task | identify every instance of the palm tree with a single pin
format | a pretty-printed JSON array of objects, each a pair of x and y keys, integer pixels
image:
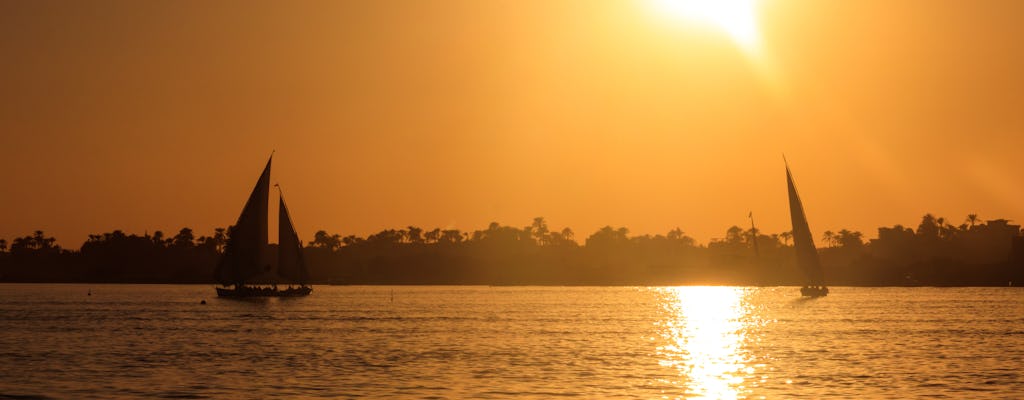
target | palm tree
[
  {"x": 929, "y": 227},
  {"x": 734, "y": 235},
  {"x": 21, "y": 245},
  {"x": 158, "y": 238},
  {"x": 946, "y": 229},
  {"x": 786, "y": 236},
  {"x": 3, "y": 246},
  {"x": 830, "y": 238},
  {"x": 539, "y": 231},
  {"x": 184, "y": 238},
  {"x": 847, "y": 238},
  {"x": 567, "y": 234},
  {"x": 972, "y": 220},
  {"x": 220, "y": 239}
]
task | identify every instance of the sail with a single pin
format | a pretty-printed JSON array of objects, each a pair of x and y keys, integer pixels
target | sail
[
  {"x": 290, "y": 263},
  {"x": 803, "y": 242},
  {"x": 245, "y": 252}
]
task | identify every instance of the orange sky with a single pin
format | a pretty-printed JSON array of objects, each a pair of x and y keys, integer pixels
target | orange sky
[{"x": 147, "y": 115}]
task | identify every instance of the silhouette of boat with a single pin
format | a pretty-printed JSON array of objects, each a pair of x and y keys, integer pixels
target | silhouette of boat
[
  {"x": 803, "y": 243},
  {"x": 244, "y": 269}
]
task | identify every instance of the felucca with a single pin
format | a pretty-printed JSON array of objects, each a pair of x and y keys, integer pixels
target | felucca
[
  {"x": 803, "y": 243},
  {"x": 244, "y": 269}
]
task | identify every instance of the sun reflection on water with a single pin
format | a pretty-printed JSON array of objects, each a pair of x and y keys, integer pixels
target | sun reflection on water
[{"x": 703, "y": 335}]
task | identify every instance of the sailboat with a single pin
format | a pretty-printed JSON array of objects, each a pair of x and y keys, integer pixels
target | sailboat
[
  {"x": 806, "y": 255},
  {"x": 244, "y": 270}
]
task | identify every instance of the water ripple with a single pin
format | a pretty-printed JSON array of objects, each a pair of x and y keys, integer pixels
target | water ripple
[{"x": 502, "y": 342}]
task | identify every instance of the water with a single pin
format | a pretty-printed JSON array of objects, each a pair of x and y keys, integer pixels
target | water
[{"x": 153, "y": 341}]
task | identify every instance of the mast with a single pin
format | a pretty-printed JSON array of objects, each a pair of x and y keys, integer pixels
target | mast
[
  {"x": 290, "y": 263},
  {"x": 803, "y": 243},
  {"x": 245, "y": 252}
]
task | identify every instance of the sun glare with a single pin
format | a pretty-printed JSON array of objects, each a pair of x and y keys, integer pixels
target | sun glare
[
  {"x": 737, "y": 18},
  {"x": 704, "y": 335}
]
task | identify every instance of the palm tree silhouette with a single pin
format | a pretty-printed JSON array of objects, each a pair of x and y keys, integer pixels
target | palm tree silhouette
[
  {"x": 786, "y": 236},
  {"x": 972, "y": 220},
  {"x": 829, "y": 237},
  {"x": 567, "y": 234}
]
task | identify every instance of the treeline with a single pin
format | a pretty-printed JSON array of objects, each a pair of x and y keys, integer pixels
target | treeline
[{"x": 936, "y": 253}]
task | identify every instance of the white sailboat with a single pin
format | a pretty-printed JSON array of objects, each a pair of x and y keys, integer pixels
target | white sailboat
[
  {"x": 246, "y": 262},
  {"x": 803, "y": 243}
]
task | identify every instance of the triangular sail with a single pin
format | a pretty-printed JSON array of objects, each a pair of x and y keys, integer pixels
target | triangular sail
[
  {"x": 291, "y": 265},
  {"x": 806, "y": 255},
  {"x": 245, "y": 252}
]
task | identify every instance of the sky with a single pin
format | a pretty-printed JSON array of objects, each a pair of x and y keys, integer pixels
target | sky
[{"x": 648, "y": 114}]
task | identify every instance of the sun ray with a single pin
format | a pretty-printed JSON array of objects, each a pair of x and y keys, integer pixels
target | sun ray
[{"x": 736, "y": 18}]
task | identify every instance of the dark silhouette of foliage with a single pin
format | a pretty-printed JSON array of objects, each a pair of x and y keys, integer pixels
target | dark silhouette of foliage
[
  {"x": 936, "y": 253},
  {"x": 323, "y": 240}
]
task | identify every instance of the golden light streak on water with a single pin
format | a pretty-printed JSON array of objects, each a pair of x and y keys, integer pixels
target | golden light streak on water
[
  {"x": 704, "y": 331},
  {"x": 473, "y": 342}
]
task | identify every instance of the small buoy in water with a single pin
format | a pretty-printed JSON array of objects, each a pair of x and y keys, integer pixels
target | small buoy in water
[{"x": 202, "y": 302}]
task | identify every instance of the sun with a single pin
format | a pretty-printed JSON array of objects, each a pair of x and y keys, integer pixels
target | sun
[{"x": 737, "y": 18}]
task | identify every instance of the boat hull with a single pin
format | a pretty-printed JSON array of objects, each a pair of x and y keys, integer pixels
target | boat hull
[
  {"x": 808, "y": 291},
  {"x": 247, "y": 291}
]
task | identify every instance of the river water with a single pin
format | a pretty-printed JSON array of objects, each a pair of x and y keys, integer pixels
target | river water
[{"x": 158, "y": 341}]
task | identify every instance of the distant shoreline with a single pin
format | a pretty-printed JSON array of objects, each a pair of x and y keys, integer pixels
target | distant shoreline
[{"x": 936, "y": 254}]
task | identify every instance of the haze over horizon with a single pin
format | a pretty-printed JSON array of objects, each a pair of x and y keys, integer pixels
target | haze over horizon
[{"x": 158, "y": 115}]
